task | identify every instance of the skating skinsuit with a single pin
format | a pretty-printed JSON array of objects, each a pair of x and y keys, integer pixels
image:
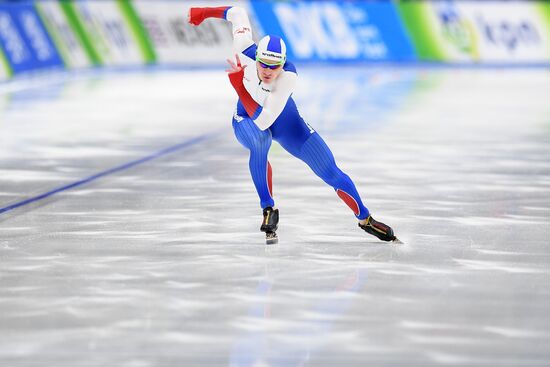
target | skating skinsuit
[{"x": 277, "y": 118}]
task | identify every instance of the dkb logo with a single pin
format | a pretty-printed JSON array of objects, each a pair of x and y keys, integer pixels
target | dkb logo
[
  {"x": 36, "y": 36},
  {"x": 14, "y": 45}
]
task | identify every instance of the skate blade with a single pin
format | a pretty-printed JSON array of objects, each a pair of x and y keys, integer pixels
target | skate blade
[
  {"x": 397, "y": 241},
  {"x": 271, "y": 239}
]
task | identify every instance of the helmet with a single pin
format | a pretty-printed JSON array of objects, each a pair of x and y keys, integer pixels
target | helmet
[{"x": 271, "y": 49}]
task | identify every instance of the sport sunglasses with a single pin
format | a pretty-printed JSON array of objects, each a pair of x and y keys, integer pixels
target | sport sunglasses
[{"x": 270, "y": 66}]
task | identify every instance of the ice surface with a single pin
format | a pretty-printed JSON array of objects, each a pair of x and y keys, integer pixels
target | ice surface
[{"x": 163, "y": 264}]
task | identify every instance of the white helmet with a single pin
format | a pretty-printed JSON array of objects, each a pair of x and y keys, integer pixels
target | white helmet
[{"x": 271, "y": 49}]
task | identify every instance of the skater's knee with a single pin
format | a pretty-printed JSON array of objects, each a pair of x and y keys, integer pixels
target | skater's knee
[
  {"x": 260, "y": 142},
  {"x": 250, "y": 136},
  {"x": 331, "y": 174}
]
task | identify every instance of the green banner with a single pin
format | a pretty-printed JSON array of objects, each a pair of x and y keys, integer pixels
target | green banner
[
  {"x": 434, "y": 41},
  {"x": 477, "y": 31},
  {"x": 5, "y": 64},
  {"x": 416, "y": 16},
  {"x": 59, "y": 44},
  {"x": 76, "y": 24},
  {"x": 110, "y": 31},
  {"x": 544, "y": 10},
  {"x": 138, "y": 30}
]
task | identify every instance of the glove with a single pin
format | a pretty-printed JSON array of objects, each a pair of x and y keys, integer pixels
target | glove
[{"x": 197, "y": 15}]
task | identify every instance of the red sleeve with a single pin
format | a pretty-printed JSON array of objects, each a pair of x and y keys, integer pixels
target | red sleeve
[
  {"x": 253, "y": 109},
  {"x": 197, "y": 15}
]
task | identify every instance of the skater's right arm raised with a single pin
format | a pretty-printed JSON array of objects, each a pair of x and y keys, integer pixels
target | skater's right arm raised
[{"x": 242, "y": 32}]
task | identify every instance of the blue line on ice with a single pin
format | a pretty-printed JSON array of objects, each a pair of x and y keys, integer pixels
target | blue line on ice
[{"x": 107, "y": 172}]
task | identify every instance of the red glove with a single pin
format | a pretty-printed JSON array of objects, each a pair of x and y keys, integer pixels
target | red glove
[
  {"x": 236, "y": 75},
  {"x": 197, "y": 15}
]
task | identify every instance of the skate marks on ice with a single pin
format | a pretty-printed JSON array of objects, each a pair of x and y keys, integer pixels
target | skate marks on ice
[
  {"x": 165, "y": 264},
  {"x": 95, "y": 123}
]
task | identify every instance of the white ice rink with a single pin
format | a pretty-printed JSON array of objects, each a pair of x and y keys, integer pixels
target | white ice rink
[{"x": 129, "y": 225}]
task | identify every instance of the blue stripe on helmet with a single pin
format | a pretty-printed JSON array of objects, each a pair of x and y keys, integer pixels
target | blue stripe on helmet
[{"x": 274, "y": 44}]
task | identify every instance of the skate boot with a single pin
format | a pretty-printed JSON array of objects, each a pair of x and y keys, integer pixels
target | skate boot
[
  {"x": 378, "y": 229},
  {"x": 269, "y": 225}
]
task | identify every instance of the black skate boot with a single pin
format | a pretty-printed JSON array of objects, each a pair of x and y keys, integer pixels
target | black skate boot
[
  {"x": 269, "y": 225},
  {"x": 378, "y": 229}
]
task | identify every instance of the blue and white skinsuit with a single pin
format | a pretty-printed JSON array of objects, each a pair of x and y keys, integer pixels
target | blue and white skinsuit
[{"x": 278, "y": 119}]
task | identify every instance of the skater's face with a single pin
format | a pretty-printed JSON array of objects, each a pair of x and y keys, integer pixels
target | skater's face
[{"x": 268, "y": 72}]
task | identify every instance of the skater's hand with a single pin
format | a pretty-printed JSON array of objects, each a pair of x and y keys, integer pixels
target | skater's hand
[
  {"x": 235, "y": 68},
  {"x": 195, "y": 16},
  {"x": 236, "y": 73}
]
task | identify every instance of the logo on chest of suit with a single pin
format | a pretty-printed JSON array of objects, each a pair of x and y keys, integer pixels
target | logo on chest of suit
[
  {"x": 266, "y": 90},
  {"x": 242, "y": 30}
]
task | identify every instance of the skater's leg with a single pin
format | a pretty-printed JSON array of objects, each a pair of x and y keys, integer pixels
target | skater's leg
[
  {"x": 301, "y": 140},
  {"x": 317, "y": 155},
  {"x": 258, "y": 143}
]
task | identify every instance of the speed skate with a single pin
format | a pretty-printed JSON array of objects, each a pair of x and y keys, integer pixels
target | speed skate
[{"x": 269, "y": 225}]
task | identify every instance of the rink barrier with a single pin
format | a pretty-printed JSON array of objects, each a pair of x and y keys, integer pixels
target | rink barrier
[
  {"x": 177, "y": 42},
  {"x": 5, "y": 69},
  {"x": 69, "y": 34},
  {"x": 167, "y": 151},
  {"x": 337, "y": 31},
  {"x": 105, "y": 28},
  {"x": 64, "y": 24},
  {"x": 479, "y": 32},
  {"x": 140, "y": 34},
  {"x": 25, "y": 43}
]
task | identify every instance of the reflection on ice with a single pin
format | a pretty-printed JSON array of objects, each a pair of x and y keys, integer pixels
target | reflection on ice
[
  {"x": 279, "y": 333},
  {"x": 164, "y": 264}
]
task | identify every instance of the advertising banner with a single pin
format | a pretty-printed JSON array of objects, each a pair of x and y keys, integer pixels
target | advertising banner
[
  {"x": 174, "y": 40},
  {"x": 24, "y": 40},
  {"x": 468, "y": 31},
  {"x": 64, "y": 34},
  {"x": 4, "y": 67},
  {"x": 103, "y": 30},
  {"x": 140, "y": 33},
  {"x": 337, "y": 31}
]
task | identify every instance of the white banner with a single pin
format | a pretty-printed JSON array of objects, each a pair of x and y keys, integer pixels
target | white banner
[
  {"x": 175, "y": 40},
  {"x": 65, "y": 38},
  {"x": 493, "y": 31},
  {"x": 109, "y": 32}
]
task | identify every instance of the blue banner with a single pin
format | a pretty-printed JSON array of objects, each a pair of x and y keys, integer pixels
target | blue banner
[
  {"x": 332, "y": 31},
  {"x": 24, "y": 40}
]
